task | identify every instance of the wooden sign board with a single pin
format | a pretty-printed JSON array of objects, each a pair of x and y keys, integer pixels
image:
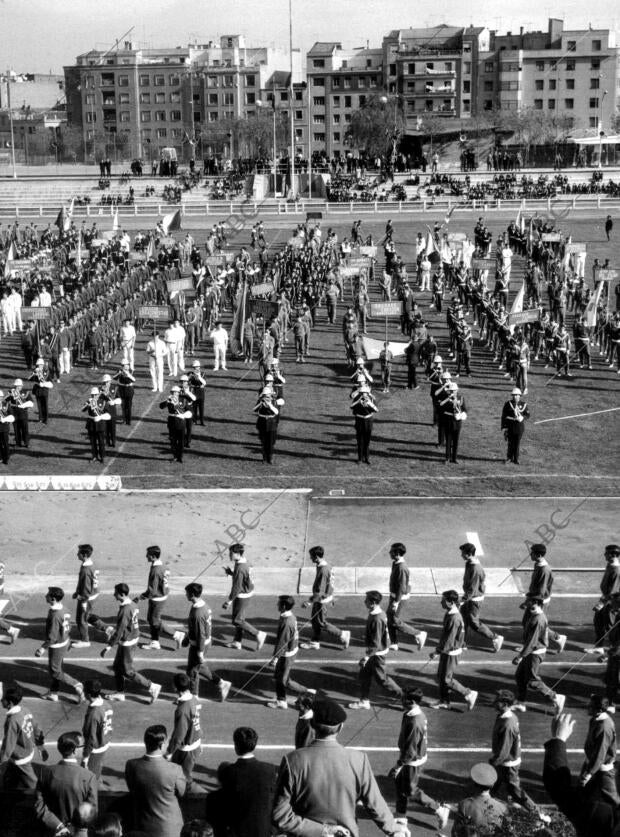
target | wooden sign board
[
  {"x": 262, "y": 288},
  {"x": 176, "y": 285},
  {"x": 606, "y": 275},
  {"x": 552, "y": 237},
  {"x": 19, "y": 264},
  {"x": 264, "y": 308},
  {"x": 483, "y": 264},
  {"x": 386, "y": 309},
  {"x": 347, "y": 272},
  {"x": 576, "y": 247},
  {"x": 35, "y": 313},
  {"x": 154, "y": 312},
  {"x": 530, "y": 316},
  {"x": 368, "y": 251}
]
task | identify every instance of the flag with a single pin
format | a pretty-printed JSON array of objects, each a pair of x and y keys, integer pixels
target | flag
[
  {"x": 70, "y": 212},
  {"x": 10, "y": 256},
  {"x": 115, "y": 224},
  {"x": 517, "y": 305},
  {"x": 446, "y": 220},
  {"x": 432, "y": 253},
  {"x": 373, "y": 348},
  {"x": 61, "y": 219},
  {"x": 236, "y": 330},
  {"x": 592, "y": 306},
  {"x": 520, "y": 222},
  {"x": 151, "y": 252},
  {"x": 172, "y": 221}
]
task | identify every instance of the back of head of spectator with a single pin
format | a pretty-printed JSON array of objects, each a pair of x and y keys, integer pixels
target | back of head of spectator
[
  {"x": 245, "y": 740},
  {"x": 196, "y": 828},
  {"x": 68, "y": 743},
  {"x": 328, "y": 717},
  {"x": 107, "y": 825},
  {"x": 155, "y": 737}
]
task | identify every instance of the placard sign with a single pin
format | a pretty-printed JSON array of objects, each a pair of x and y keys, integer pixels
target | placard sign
[
  {"x": 606, "y": 275},
  {"x": 262, "y": 288},
  {"x": 483, "y": 264},
  {"x": 576, "y": 247},
  {"x": 19, "y": 264},
  {"x": 530, "y": 316},
  {"x": 552, "y": 237},
  {"x": 184, "y": 284},
  {"x": 386, "y": 309},
  {"x": 368, "y": 251},
  {"x": 347, "y": 272},
  {"x": 36, "y": 313},
  {"x": 154, "y": 312},
  {"x": 264, "y": 308}
]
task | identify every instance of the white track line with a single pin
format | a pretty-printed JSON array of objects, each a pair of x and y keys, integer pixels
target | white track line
[
  {"x": 215, "y": 491},
  {"x": 578, "y": 415},
  {"x": 212, "y": 746},
  {"x": 220, "y": 661}
]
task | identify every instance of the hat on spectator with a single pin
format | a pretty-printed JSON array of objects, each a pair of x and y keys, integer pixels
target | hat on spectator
[
  {"x": 483, "y": 774},
  {"x": 94, "y": 391},
  {"x": 515, "y": 391},
  {"x": 18, "y": 382},
  {"x": 196, "y": 363},
  {"x": 328, "y": 712},
  {"x": 175, "y": 388},
  {"x": 184, "y": 378},
  {"x": 438, "y": 359},
  {"x": 106, "y": 378},
  {"x": 40, "y": 362}
]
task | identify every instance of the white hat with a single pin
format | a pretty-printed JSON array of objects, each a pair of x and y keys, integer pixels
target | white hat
[
  {"x": 453, "y": 386},
  {"x": 184, "y": 378},
  {"x": 516, "y": 391},
  {"x": 269, "y": 376},
  {"x": 40, "y": 362},
  {"x": 1, "y": 394},
  {"x": 196, "y": 363},
  {"x": 360, "y": 361},
  {"x": 446, "y": 375},
  {"x": 175, "y": 388},
  {"x": 106, "y": 378},
  {"x": 18, "y": 382},
  {"x": 94, "y": 391},
  {"x": 438, "y": 359},
  {"x": 364, "y": 388}
]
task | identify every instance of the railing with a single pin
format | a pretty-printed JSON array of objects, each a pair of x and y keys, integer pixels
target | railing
[{"x": 559, "y": 206}]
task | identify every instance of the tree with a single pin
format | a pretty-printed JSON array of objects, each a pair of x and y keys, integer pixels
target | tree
[
  {"x": 256, "y": 133},
  {"x": 377, "y": 127}
]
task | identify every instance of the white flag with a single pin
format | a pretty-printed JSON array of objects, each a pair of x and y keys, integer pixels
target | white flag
[
  {"x": 592, "y": 306},
  {"x": 115, "y": 224},
  {"x": 517, "y": 305}
]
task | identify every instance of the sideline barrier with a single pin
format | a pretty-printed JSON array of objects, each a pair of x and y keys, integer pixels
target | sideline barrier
[{"x": 60, "y": 483}]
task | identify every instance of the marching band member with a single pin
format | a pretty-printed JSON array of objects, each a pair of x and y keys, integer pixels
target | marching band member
[
  {"x": 177, "y": 416},
  {"x": 452, "y": 414},
  {"x": 6, "y": 420},
  {"x": 41, "y": 388},
  {"x": 112, "y": 401},
  {"x": 125, "y": 382},
  {"x": 20, "y": 403},
  {"x": 514, "y": 414},
  {"x": 198, "y": 386},
  {"x": 363, "y": 407},
  {"x": 267, "y": 422},
  {"x": 157, "y": 350},
  {"x": 188, "y": 398},
  {"x": 96, "y": 418}
]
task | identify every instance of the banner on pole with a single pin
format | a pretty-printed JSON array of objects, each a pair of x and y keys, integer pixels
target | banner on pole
[
  {"x": 154, "y": 312},
  {"x": 264, "y": 308},
  {"x": 552, "y": 238},
  {"x": 483, "y": 264},
  {"x": 386, "y": 309},
  {"x": 606, "y": 274},
  {"x": 35, "y": 313},
  {"x": 184, "y": 284},
  {"x": 576, "y": 247},
  {"x": 262, "y": 288},
  {"x": 532, "y": 315}
]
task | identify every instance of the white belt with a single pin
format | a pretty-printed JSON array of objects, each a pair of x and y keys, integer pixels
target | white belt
[
  {"x": 290, "y": 653},
  {"x": 93, "y": 597},
  {"x": 539, "y": 651},
  {"x": 454, "y": 653},
  {"x": 159, "y": 598},
  {"x": 416, "y": 762},
  {"x": 187, "y": 748},
  {"x": 129, "y": 642},
  {"x": 28, "y": 759},
  {"x": 607, "y": 768},
  {"x": 477, "y": 599},
  {"x": 379, "y": 653},
  {"x": 245, "y": 595},
  {"x": 513, "y": 763},
  {"x": 58, "y": 644},
  {"x": 96, "y": 750},
  {"x": 327, "y": 599}
]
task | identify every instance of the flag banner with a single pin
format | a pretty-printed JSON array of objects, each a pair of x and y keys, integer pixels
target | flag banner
[
  {"x": 151, "y": 253},
  {"x": 517, "y": 306},
  {"x": 373, "y": 348},
  {"x": 236, "y": 330},
  {"x": 171, "y": 222},
  {"x": 592, "y": 306},
  {"x": 115, "y": 224}
]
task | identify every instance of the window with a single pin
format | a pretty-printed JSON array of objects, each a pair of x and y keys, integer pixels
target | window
[
  {"x": 91, "y": 117},
  {"x": 448, "y": 66},
  {"x": 551, "y": 104},
  {"x": 211, "y": 81},
  {"x": 347, "y": 117},
  {"x": 160, "y": 116},
  {"x": 160, "y": 98},
  {"x": 593, "y": 122},
  {"x": 250, "y": 81},
  {"x": 319, "y": 63},
  {"x": 540, "y": 66},
  {"x": 336, "y": 101},
  {"x": 595, "y": 64},
  {"x": 488, "y": 86},
  {"x": 159, "y": 81},
  {"x": 392, "y": 69},
  {"x": 175, "y": 97},
  {"x": 411, "y": 86},
  {"x": 107, "y": 79},
  {"x": 299, "y": 96},
  {"x": 570, "y": 65},
  {"x": 228, "y": 98},
  {"x": 361, "y": 82},
  {"x": 571, "y": 46},
  {"x": 299, "y": 133},
  {"x": 373, "y": 81},
  {"x": 362, "y": 101},
  {"x": 318, "y": 81},
  {"x": 213, "y": 98},
  {"x": 538, "y": 103},
  {"x": 284, "y": 96},
  {"x": 124, "y": 116},
  {"x": 174, "y": 80},
  {"x": 318, "y": 101},
  {"x": 175, "y": 115},
  {"x": 467, "y": 86},
  {"x": 510, "y": 85},
  {"x": 175, "y": 132},
  {"x": 489, "y": 67},
  {"x": 123, "y": 98},
  {"x": 145, "y": 98},
  {"x": 145, "y": 81},
  {"x": 161, "y": 133},
  {"x": 467, "y": 68},
  {"x": 318, "y": 118},
  {"x": 552, "y": 84},
  {"x": 336, "y": 136},
  {"x": 90, "y": 98},
  {"x": 228, "y": 81},
  {"x": 90, "y": 82},
  {"x": 347, "y": 101},
  {"x": 488, "y": 104},
  {"x": 213, "y": 116},
  {"x": 299, "y": 114},
  {"x": 570, "y": 83},
  {"x": 595, "y": 83},
  {"x": 466, "y": 105},
  {"x": 318, "y": 137},
  {"x": 539, "y": 84},
  {"x": 145, "y": 116},
  {"x": 347, "y": 83},
  {"x": 336, "y": 119},
  {"x": 123, "y": 81},
  {"x": 596, "y": 46},
  {"x": 411, "y": 69},
  {"x": 569, "y": 104},
  {"x": 594, "y": 103},
  {"x": 250, "y": 98},
  {"x": 336, "y": 83}
]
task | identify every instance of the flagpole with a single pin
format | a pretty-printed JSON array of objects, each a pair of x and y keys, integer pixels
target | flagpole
[{"x": 8, "y": 102}]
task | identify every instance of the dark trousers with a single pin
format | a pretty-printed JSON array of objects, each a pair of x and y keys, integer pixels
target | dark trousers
[
  {"x": 603, "y": 622},
  {"x": 18, "y": 777},
  {"x": 186, "y": 759},
  {"x": 4, "y": 445},
  {"x": 470, "y": 611},
  {"x": 508, "y": 782},
  {"x": 320, "y": 623},
  {"x": 55, "y": 660},
  {"x": 123, "y": 669},
  {"x": 528, "y": 677},
  {"x": 82, "y": 614},
  {"x": 452, "y": 431},
  {"x": 110, "y": 431},
  {"x": 95, "y": 763},
  {"x": 282, "y": 676},
  {"x": 407, "y": 788},
  {"x": 603, "y": 786},
  {"x": 198, "y": 407},
  {"x": 42, "y": 405},
  {"x": 396, "y": 624},
  {"x": 513, "y": 440},
  {"x": 187, "y": 435},
  {"x": 195, "y": 668},
  {"x": 375, "y": 669},
  {"x": 267, "y": 428},
  {"x": 177, "y": 438},
  {"x": 126, "y": 405},
  {"x": 239, "y": 621},
  {"x": 612, "y": 678},
  {"x": 97, "y": 442},
  {"x": 363, "y": 431},
  {"x": 22, "y": 433},
  {"x": 412, "y": 376},
  {"x": 446, "y": 678},
  {"x": 153, "y": 617}
]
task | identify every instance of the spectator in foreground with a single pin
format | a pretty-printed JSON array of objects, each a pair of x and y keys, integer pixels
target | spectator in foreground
[
  {"x": 479, "y": 810},
  {"x": 320, "y": 785}
]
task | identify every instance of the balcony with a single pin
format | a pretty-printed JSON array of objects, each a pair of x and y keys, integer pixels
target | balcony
[
  {"x": 446, "y": 92},
  {"x": 423, "y": 72}
]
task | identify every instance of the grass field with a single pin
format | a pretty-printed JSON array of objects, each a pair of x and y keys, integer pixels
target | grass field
[{"x": 316, "y": 444}]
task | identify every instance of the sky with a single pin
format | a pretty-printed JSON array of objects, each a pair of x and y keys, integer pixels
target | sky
[{"x": 43, "y": 36}]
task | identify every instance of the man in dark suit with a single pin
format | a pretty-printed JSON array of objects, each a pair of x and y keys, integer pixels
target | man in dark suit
[
  {"x": 248, "y": 786},
  {"x": 155, "y": 786},
  {"x": 65, "y": 789}
]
